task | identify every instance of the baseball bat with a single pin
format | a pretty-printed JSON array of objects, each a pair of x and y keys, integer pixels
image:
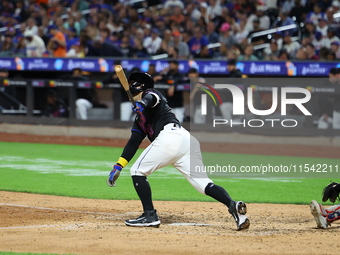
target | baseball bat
[{"x": 122, "y": 78}]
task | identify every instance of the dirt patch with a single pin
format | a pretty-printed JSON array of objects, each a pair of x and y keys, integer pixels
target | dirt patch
[{"x": 51, "y": 224}]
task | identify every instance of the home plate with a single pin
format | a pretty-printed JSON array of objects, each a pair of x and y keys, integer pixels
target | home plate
[{"x": 190, "y": 224}]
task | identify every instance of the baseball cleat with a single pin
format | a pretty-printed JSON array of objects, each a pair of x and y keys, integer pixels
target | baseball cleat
[
  {"x": 319, "y": 214},
  {"x": 238, "y": 211},
  {"x": 147, "y": 219}
]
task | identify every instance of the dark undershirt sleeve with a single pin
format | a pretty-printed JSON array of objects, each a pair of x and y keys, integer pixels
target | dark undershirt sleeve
[
  {"x": 150, "y": 100},
  {"x": 133, "y": 144}
]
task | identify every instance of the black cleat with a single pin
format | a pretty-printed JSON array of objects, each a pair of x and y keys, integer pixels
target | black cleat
[{"x": 147, "y": 219}]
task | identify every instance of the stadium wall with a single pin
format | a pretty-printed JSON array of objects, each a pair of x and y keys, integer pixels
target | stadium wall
[{"x": 124, "y": 133}]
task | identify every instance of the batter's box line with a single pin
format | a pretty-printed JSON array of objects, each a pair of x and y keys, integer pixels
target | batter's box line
[
  {"x": 64, "y": 226},
  {"x": 66, "y": 210}
]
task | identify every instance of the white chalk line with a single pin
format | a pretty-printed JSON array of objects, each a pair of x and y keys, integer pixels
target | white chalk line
[
  {"x": 71, "y": 167},
  {"x": 66, "y": 210},
  {"x": 37, "y": 226},
  {"x": 57, "y": 209}
]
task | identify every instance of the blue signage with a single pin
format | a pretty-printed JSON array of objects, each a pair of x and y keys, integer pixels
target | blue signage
[{"x": 213, "y": 67}]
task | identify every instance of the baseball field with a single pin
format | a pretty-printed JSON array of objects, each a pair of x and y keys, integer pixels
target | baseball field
[{"x": 54, "y": 200}]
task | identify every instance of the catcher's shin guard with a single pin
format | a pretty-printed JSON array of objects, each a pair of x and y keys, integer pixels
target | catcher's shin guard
[{"x": 333, "y": 213}]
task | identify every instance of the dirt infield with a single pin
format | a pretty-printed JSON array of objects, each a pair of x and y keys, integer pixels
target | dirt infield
[{"x": 51, "y": 224}]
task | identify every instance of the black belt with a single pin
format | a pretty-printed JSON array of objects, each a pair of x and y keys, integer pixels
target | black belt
[{"x": 175, "y": 125}]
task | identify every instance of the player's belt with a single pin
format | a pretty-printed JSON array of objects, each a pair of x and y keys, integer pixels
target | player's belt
[{"x": 172, "y": 125}]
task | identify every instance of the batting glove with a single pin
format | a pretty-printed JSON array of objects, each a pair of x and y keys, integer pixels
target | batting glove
[
  {"x": 114, "y": 174},
  {"x": 139, "y": 106}
]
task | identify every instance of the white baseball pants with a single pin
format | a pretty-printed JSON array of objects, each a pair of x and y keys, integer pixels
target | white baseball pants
[
  {"x": 82, "y": 106},
  {"x": 174, "y": 146}
]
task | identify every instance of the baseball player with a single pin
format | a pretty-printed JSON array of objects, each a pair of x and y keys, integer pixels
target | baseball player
[
  {"x": 171, "y": 144},
  {"x": 325, "y": 216}
]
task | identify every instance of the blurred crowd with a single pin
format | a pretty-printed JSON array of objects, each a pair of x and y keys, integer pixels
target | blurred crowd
[{"x": 179, "y": 29}]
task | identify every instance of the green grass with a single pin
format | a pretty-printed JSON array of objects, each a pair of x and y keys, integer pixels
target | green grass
[{"x": 81, "y": 171}]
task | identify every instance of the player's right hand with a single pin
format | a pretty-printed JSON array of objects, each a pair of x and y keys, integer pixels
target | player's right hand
[{"x": 113, "y": 176}]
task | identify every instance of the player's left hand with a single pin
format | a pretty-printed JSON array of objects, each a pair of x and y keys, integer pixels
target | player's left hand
[
  {"x": 139, "y": 106},
  {"x": 113, "y": 176}
]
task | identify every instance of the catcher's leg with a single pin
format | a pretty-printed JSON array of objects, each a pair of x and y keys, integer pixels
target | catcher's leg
[
  {"x": 320, "y": 214},
  {"x": 333, "y": 213}
]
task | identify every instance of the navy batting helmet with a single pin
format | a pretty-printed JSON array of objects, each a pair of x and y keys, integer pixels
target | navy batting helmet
[{"x": 140, "y": 82}]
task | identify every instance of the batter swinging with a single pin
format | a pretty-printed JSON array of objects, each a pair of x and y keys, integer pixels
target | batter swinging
[{"x": 171, "y": 144}]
